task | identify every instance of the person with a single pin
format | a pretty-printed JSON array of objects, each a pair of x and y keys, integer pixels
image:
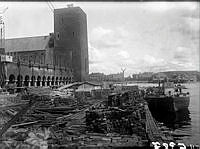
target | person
[
  {"x": 176, "y": 89},
  {"x": 169, "y": 93},
  {"x": 180, "y": 90}
]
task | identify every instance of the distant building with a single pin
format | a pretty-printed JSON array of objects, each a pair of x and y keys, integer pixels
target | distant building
[
  {"x": 193, "y": 78},
  {"x": 97, "y": 77},
  {"x": 159, "y": 76},
  {"x": 115, "y": 77},
  {"x": 88, "y": 87},
  {"x": 145, "y": 76},
  {"x": 103, "y": 77},
  {"x": 60, "y": 57}
]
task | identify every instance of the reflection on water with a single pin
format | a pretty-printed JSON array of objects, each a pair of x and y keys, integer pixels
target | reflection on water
[{"x": 173, "y": 120}]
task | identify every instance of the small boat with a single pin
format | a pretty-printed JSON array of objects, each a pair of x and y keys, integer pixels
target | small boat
[{"x": 158, "y": 100}]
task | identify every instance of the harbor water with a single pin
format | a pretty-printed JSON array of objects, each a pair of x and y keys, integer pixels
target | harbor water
[
  {"x": 193, "y": 127},
  {"x": 183, "y": 125}
]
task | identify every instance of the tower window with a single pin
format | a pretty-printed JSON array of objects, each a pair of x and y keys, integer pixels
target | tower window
[
  {"x": 58, "y": 36},
  {"x": 73, "y": 34}
]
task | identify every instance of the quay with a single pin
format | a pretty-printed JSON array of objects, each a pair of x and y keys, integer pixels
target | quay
[{"x": 45, "y": 117}]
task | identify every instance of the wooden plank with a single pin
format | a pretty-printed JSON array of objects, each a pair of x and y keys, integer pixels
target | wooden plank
[
  {"x": 152, "y": 130},
  {"x": 25, "y": 124},
  {"x": 15, "y": 118},
  {"x": 11, "y": 106}
]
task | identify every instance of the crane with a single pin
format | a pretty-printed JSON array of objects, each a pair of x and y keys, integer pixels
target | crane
[
  {"x": 3, "y": 10},
  {"x": 123, "y": 70},
  {"x": 2, "y": 47},
  {"x": 51, "y": 6},
  {"x": 2, "y": 29}
]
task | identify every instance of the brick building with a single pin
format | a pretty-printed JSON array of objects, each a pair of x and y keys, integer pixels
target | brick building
[{"x": 60, "y": 57}]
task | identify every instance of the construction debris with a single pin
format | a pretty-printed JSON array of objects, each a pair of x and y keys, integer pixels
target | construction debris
[{"x": 51, "y": 119}]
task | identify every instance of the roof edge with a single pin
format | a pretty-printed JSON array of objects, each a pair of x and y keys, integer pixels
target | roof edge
[{"x": 27, "y": 37}]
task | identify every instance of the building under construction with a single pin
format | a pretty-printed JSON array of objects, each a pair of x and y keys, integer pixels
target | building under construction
[{"x": 60, "y": 57}]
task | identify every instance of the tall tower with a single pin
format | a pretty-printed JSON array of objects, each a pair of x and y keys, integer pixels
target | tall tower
[{"x": 70, "y": 29}]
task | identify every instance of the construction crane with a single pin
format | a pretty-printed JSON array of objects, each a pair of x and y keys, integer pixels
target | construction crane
[
  {"x": 51, "y": 6},
  {"x": 123, "y": 70},
  {"x": 2, "y": 47},
  {"x": 2, "y": 11},
  {"x": 2, "y": 30}
]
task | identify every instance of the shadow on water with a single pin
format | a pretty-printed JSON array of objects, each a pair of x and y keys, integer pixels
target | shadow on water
[{"x": 173, "y": 120}]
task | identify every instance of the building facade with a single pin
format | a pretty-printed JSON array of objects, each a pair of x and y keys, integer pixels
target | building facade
[
  {"x": 60, "y": 57},
  {"x": 70, "y": 28}
]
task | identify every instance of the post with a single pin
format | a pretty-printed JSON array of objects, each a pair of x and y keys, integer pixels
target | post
[{"x": 35, "y": 83}]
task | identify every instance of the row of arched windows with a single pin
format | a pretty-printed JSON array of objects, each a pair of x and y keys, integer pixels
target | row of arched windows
[{"x": 39, "y": 81}]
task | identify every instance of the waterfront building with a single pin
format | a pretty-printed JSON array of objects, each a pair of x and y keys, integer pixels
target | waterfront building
[
  {"x": 145, "y": 76},
  {"x": 116, "y": 77},
  {"x": 97, "y": 77},
  {"x": 58, "y": 58},
  {"x": 160, "y": 76}
]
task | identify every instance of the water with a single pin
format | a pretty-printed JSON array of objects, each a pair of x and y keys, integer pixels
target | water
[
  {"x": 193, "y": 130},
  {"x": 184, "y": 125}
]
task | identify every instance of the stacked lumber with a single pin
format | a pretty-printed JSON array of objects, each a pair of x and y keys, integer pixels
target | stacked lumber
[
  {"x": 54, "y": 121},
  {"x": 124, "y": 115}
]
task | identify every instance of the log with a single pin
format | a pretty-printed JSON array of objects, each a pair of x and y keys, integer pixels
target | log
[
  {"x": 11, "y": 106},
  {"x": 25, "y": 124},
  {"x": 15, "y": 118},
  {"x": 63, "y": 108}
]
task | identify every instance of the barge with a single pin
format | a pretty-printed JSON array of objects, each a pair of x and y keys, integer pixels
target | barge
[
  {"x": 168, "y": 103},
  {"x": 172, "y": 101}
]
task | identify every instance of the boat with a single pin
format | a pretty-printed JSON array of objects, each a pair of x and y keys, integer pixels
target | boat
[{"x": 159, "y": 100}]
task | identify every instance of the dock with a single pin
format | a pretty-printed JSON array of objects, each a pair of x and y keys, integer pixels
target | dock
[{"x": 65, "y": 121}]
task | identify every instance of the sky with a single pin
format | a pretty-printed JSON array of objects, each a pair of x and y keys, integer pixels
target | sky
[{"x": 138, "y": 36}]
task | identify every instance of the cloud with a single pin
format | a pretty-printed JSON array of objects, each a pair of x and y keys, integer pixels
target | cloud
[
  {"x": 182, "y": 55},
  {"x": 166, "y": 6},
  {"x": 186, "y": 58},
  {"x": 105, "y": 50},
  {"x": 107, "y": 38},
  {"x": 150, "y": 60},
  {"x": 193, "y": 23},
  {"x": 186, "y": 26},
  {"x": 95, "y": 55},
  {"x": 123, "y": 54}
]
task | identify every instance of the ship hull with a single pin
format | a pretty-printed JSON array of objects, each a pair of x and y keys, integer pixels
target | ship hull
[
  {"x": 165, "y": 103},
  {"x": 181, "y": 103}
]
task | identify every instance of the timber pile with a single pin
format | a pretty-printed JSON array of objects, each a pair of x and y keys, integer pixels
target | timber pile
[
  {"x": 130, "y": 88},
  {"x": 44, "y": 119},
  {"x": 124, "y": 114},
  {"x": 49, "y": 121},
  {"x": 101, "y": 93},
  {"x": 9, "y": 106}
]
